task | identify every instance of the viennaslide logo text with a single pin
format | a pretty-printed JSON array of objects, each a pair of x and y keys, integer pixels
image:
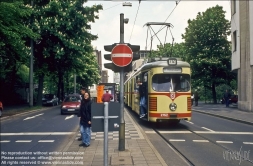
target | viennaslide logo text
[{"x": 236, "y": 155}]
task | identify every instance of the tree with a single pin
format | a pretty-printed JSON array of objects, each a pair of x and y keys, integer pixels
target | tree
[
  {"x": 65, "y": 41},
  {"x": 208, "y": 50},
  {"x": 14, "y": 53},
  {"x": 177, "y": 50}
]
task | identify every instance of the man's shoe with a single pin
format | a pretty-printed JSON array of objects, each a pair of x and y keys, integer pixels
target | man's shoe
[
  {"x": 82, "y": 144},
  {"x": 86, "y": 145},
  {"x": 142, "y": 115},
  {"x": 79, "y": 139}
]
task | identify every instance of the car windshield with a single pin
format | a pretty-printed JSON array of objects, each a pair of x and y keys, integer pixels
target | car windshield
[
  {"x": 73, "y": 99},
  {"x": 48, "y": 96},
  {"x": 171, "y": 82}
]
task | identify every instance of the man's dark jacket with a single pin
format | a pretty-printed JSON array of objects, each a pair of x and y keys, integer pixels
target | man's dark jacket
[{"x": 85, "y": 112}]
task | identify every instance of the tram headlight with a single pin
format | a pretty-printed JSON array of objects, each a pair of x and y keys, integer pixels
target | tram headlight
[{"x": 173, "y": 106}]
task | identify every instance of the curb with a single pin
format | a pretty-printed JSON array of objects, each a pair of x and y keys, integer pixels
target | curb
[
  {"x": 225, "y": 117},
  {"x": 146, "y": 138},
  {"x": 23, "y": 113}
]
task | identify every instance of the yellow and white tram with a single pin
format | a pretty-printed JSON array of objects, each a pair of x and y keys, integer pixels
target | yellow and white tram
[{"x": 168, "y": 90}]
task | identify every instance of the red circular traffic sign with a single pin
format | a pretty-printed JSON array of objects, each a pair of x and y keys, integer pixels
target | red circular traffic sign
[{"x": 122, "y": 55}]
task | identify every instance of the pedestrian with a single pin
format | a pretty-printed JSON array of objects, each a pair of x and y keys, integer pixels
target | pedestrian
[
  {"x": 82, "y": 91},
  {"x": 85, "y": 114},
  {"x": 227, "y": 96},
  {"x": 107, "y": 97},
  {"x": 142, "y": 94},
  {"x": 196, "y": 98},
  {"x": 192, "y": 97}
]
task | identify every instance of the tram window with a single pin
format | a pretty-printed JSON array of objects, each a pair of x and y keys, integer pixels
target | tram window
[{"x": 171, "y": 82}]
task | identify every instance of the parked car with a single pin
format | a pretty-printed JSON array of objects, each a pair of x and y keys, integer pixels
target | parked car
[
  {"x": 71, "y": 104},
  {"x": 233, "y": 100},
  {"x": 50, "y": 99},
  {"x": 1, "y": 108}
]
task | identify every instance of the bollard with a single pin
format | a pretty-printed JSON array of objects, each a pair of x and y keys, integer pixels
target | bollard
[{"x": 106, "y": 133}]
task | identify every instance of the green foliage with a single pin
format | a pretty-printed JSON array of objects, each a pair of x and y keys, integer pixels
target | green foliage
[
  {"x": 65, "y": 44},
  {"x": 177, "y": 50},
  {"x": 14, "y": 53},
  {"x": 208, "y": 50}
]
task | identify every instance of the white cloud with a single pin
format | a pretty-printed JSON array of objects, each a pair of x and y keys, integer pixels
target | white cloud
[{"x": 107, "y": 27}]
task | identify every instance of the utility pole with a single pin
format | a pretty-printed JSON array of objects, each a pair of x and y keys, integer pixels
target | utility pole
[
  {"x": 122, "y": 121},
  {"x": 31, "y": 69},
  {"x": 74, "y": 83}
]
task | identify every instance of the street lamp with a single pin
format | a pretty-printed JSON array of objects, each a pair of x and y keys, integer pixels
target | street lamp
[{"x": 127, "y": 4}]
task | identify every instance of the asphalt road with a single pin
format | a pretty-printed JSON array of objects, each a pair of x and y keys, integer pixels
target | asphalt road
[
  {"x": 42, "y": 131},
  {"x": 205, "y": 140}
]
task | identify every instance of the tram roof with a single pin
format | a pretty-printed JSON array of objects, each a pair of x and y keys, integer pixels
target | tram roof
[{"x": 159, "y": 63}]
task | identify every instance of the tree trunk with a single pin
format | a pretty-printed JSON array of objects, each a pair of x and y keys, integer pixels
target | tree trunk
[
  {"x": 40, "y": 90},
  {"x": 214, "y": 93}
]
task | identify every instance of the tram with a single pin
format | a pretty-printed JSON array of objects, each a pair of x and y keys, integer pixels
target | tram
[{"x": 168, "y": 90}]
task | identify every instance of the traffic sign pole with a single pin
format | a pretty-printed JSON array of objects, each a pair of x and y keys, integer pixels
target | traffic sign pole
[{"x": 122, "y": 121}]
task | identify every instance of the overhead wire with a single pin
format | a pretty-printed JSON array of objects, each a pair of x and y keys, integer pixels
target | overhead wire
[
  {"x": 163, "y": 26},
  {"x": 112, "y": 6},
  {"x": 177, "y": 2},
  {"x": 135, "y": 20}
]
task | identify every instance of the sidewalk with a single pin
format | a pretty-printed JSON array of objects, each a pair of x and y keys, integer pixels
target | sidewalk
[
  {"x": 139, "y": 151},
  {"x": 220, "y": 110}
]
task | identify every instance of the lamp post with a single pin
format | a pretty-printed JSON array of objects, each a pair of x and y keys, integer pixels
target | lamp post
[
  {"x": 31, "y": 70},
  {"x": 122, "y": 121}
]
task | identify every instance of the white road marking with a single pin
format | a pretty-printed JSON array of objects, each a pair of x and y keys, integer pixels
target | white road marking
[
  {"x": 24, "y": 141},
  {"x": 5, "y": 141},
  {"x": 37, "y": 133},
  {"x": 189, "y": 122},
  {"x": 33, "y": 116},
  {"x": 201, "y": 132},
  {"x": 150, "y": 132},
  {"x": 200, "y": 140},
  {"x": 223, "y": 132},
  {"x": 248, "y": 143},
  {"x": 207, "y": 129},
  {"x": 175, "y": 132},
  {"x": 68, "y": 117},
  {"x": 225, "y": 142},
  {"x": 181, "y": 140},
  {"x": 46, "y": 141}
]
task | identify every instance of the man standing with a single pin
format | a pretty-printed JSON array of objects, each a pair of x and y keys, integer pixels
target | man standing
[
  {"x": 196, "y": 98},
  {"x": 227, "y": 97},
  {"x": 82, "y": 91},
  {"x": 107, "y": 97}
]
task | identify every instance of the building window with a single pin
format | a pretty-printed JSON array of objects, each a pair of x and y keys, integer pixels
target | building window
[
  {"x": 233, "y": 6},
  {"x": 234, "y": 41}
]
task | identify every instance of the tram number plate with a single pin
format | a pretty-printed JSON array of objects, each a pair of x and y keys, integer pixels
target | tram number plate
[
  {"x": 164, "y": 115},
  {"x": 173, "y": 115}
]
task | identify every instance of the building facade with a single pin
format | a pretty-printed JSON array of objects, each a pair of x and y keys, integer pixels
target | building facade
[
  {"x": 104, "y": 76},
  {"x": 98, "y": 56},
  {"x": 116, "y": 78},
  {"x": 242, "y": 51}
]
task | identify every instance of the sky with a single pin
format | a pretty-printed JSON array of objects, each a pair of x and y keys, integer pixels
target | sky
[{"x": 107, "y": 27}]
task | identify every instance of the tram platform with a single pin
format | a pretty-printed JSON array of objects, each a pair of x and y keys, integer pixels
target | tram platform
[{"x": 139, "y": 151}]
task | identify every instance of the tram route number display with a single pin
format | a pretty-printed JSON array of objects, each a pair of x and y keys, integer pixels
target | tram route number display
[{"x": 42, "y": 158}]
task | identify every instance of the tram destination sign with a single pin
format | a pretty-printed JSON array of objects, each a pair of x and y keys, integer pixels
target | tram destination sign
[
  {"x": 172, "y": 61},
  {"x": 172, "y": 70}
]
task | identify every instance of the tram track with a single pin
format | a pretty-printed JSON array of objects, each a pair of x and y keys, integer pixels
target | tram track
[{"x": 186, "y": 159}]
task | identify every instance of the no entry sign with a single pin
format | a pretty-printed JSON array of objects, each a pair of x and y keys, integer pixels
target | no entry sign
[{"x": 122, "y": 55}]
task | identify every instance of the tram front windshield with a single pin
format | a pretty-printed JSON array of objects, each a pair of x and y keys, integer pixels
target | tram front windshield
[{"x": 171, "y": 82}]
